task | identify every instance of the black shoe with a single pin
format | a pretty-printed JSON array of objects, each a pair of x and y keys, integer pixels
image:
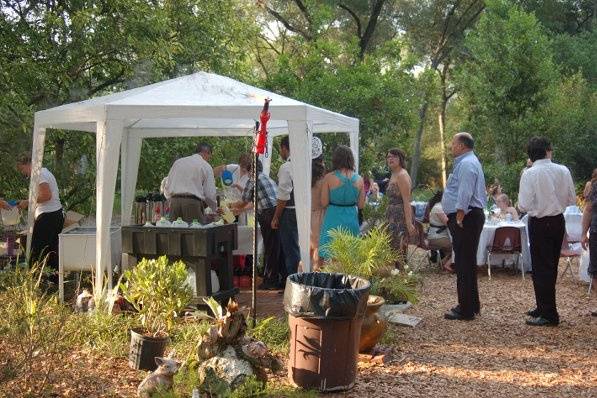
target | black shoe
[
  {"x": 540, "y": 321},
  {"x": 457, "y": 309},
  {"x": 457, "y": 316},
  {"x": 268, "y": 286},
  {"x": 533, "y": 313},
  {"x": 594, "y": 313}
]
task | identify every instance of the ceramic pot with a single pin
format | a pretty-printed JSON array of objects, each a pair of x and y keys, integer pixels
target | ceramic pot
[{"x": 374, "y": 326}]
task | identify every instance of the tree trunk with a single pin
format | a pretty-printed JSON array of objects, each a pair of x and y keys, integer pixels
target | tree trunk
[
  {"x": 442, "y": 122},
  {"x": 416, "y": 159}
]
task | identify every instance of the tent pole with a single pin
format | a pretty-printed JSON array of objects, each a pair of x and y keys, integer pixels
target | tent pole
[{"x": 254, "y": 278}]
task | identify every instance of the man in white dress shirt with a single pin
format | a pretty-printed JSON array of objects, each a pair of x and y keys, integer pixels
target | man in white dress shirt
[
  {"x": 191, "y": 186},
  {"x": 285, "y": 215},
  {"x": 546, "y": 189}
]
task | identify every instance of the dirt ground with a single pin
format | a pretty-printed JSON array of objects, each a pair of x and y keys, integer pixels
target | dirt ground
[{"x": 496, "y": 355}]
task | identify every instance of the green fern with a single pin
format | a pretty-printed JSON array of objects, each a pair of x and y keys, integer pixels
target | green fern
[{"x": 360, "y": 255}]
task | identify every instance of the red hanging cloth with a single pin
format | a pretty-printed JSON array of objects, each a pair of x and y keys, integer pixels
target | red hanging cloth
[{"x": 261, "y": 139}]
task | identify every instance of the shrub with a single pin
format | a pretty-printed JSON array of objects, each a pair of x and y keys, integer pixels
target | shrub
[
  {"x": 33, "y": 325},
  {"x": 158, "y": 291}
]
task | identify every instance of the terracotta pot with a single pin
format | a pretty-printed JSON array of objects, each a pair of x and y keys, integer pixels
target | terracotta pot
[{"x": 374, "y": 326}]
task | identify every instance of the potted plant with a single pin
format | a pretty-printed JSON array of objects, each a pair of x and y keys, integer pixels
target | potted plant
[
  {"x": 158, "y": 291},
  {"x": 370, "y": 256}
]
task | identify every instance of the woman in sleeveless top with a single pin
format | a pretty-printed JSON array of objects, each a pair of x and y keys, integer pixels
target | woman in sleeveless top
[
  {"x": 438, "y": 236},
  {"x": 399, "y": 213},
  {"x": 342, "y": 193},
  {"x": 589, "y": 232},
  {"x": 317, "y": 210}
]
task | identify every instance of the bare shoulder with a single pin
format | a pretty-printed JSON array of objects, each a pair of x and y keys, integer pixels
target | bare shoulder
[
  {"x": 403, "y": 178},
  {"x": 359, "y": 182}
]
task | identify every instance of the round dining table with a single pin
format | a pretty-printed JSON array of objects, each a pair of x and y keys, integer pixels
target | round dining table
[{"x": 486, "y": 239}]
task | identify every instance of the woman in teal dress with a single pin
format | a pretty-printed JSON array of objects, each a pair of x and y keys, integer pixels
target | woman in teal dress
[{"x": 342, "y": 193}]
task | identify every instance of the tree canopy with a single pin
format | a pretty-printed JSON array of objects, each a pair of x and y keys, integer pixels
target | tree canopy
[{"x": 414, "y": 73}]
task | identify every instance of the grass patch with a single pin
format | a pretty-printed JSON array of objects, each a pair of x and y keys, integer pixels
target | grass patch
[
  {"x": 274, "y": 332},
  {"x": 185, "y": 337},
  {"x": 101, "y": 332},
  {"x": 391, "y": 337}
]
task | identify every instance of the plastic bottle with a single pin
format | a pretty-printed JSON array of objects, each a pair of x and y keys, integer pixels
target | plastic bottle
[
  {"x": 162, "y": 222},
  {"x": 228, "y": 216},
  {"x": 179, "y": 223}
]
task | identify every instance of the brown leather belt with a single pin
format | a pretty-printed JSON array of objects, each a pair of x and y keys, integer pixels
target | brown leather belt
[{"x": 187, "y": 196}]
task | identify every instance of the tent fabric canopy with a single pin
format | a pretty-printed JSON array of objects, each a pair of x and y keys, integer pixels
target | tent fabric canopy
[{"x": 200, "y": 104}]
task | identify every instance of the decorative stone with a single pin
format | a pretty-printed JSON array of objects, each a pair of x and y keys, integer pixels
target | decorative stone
[{"x": 228, "y": 367}]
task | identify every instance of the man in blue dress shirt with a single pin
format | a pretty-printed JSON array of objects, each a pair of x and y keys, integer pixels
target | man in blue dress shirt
[{"x": 463, "y": 201}]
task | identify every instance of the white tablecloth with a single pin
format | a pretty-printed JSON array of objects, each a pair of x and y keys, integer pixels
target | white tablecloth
[
  {"x": 573, "y": 226},
  {"x": 245, "y": 241},
  {"x": 486, "y": 239}
]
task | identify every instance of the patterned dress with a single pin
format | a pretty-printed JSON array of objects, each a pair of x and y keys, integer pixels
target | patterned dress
[
  {"x": 592, "y": 201},
  {"x": 395, "y": 215}
]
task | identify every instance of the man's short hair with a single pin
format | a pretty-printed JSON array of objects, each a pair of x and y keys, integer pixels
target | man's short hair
[
  {"x": 24, "y": 158},
  {"x": 537, "y": 148},
  {"x": 285, "y": 142},
  {"x": 466, "y": 139},
  {"x": 203, "y": 147}
]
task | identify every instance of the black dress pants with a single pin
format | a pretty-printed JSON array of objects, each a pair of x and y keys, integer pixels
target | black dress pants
[
  {"x": 546, "y": 235},
  {"x": 274, "y": 268},
  {"x": 44, "y": 239},
  {"x": 465, "y": 241}
]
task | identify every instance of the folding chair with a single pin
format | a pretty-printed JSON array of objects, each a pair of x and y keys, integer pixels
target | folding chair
[
  {"x": 507, "y": 240},
  {"x": 569, "y": 254}
]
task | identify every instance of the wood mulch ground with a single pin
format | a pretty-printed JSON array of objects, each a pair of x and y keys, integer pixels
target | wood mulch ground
[{"x": 496, "y": 355}]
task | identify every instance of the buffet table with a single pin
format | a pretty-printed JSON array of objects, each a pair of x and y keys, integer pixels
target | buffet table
[{"x": 201, "y": 249}]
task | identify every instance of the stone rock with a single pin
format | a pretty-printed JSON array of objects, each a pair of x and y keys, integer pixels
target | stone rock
[
  {"x": 397, "y": 318},
  {"x": 228, "y": 367},
  {"x": 388, "y": 309}
]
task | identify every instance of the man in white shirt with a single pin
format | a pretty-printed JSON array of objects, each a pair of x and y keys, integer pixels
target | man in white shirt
[
  {"x": 285, "y": 215},
  {"x": 49, "y": 218},
  {"x": 546, "y": 189},
  {"x": 191, "y": 186}
]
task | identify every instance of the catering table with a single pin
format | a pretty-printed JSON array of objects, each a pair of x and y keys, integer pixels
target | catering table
[
  {"x": 486, "y": 239},
  {"x": 202, "y": 250}
]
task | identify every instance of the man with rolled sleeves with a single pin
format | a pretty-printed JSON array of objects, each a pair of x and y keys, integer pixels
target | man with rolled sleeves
[{"x": 191, "y": 186}]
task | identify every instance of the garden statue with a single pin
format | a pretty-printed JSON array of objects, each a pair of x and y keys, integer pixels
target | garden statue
[{"x": 160, "y": 379}]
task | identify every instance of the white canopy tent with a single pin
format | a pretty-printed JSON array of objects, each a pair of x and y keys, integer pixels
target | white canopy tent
[{"x": 201, "y": 104}]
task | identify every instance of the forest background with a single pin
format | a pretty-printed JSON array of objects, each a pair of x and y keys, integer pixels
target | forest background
[{"x": 414, "y": 73}]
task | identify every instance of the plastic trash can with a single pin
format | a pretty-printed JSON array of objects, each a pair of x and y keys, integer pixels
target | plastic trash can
[{"x": 325, "y": 314}]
